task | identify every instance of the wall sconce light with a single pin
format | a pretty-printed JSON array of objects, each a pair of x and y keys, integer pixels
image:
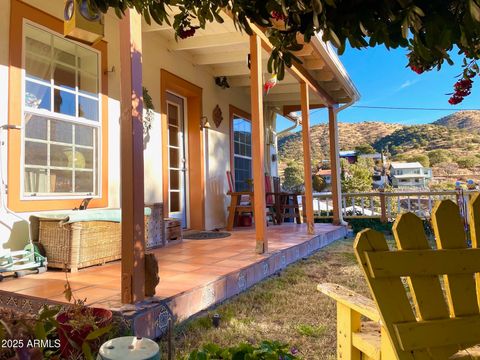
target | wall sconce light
[{"x": 204, "y": 124}]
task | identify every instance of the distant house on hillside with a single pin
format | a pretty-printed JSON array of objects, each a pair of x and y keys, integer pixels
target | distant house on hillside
[
  {"x": 409, "y": 174},
  {"x": 325, "y": 174},
  {"x": 350, "y": 155}
]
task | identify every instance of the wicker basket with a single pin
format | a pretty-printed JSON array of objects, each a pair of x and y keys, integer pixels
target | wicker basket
[{"x": 77, "y": 245}]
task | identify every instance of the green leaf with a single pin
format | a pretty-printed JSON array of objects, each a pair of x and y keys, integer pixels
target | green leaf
[
  {"x": 317, "y": 6},
  {"x": 87, "y": 352},
  {"x": 98, "y": 333},
  {"x": 474, "y": 10},
  {"x": 39, "y": 331}
]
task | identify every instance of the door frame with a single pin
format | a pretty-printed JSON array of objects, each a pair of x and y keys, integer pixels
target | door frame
[{"x": 192, "y": 95}]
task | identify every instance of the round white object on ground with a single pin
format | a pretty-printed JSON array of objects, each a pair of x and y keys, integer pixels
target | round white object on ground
[{"x": 129, "y": 348}]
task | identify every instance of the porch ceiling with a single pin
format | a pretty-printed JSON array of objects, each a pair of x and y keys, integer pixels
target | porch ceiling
[{"x": 223, "y": 51}]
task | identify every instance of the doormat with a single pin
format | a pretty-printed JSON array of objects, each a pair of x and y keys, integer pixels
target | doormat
[{"x": 205, "y": 235}]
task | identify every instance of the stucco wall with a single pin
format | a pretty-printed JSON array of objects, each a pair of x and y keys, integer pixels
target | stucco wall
[{"x": 156, "y": 57}]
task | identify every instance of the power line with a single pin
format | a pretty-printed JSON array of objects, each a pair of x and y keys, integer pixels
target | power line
[{"x": 410, "y": 108}]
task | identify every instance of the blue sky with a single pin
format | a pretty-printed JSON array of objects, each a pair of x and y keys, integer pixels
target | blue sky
[{"x": 383, "y": 80}]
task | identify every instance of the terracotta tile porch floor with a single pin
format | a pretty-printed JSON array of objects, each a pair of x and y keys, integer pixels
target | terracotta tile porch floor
[{"x": 193, "y": 275}]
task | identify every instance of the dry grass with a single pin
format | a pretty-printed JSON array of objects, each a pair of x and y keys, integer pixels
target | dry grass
[{"x": 287, "y": 308}]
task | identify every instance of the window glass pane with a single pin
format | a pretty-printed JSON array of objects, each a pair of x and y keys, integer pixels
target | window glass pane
[
  {"x": 173, "y": 135},
  {"x": 36, "y": 127},
  {"x": 87, "y": 61},
  {"x": 61, "y": 181},
  {"x": 174, "y": 158},
  {"x": 36, "y": 180},
  {"x": 64, "y": 102},
  {"x": 172, "y": 114},
  {"x": 38, "y": 41},
  {"x": 87, "y": 84},
  {"x": 64, "y": 76},
  {"x": 88, "y": 108},
  {"x": 60, "y": 131},
  {"x": 61, "y": 156},
  {"x": 37, "y": 96},
  {"x": 37, "y": 68},
  {"x": 83, "y": 158},
  {"x": 84, "y": 135},
  {"x": 64, "y": 51},
  {"x": 174, "y": 201},
  {"x": 174, "y": 179},
  {"x": 35, "y": 153},
  {"x": 84, "y": 181}
]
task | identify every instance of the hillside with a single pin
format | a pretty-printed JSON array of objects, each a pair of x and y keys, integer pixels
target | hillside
[
  {"x": 466, "y": 120},
  {"x": 350, "y": 135},
  {"x": 450, "y": 145},
  {"x": 423, "y": 138}
]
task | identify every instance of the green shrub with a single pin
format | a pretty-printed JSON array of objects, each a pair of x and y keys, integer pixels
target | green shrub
[
  {"x": 267, "y": 350},
  {"x": 467, "y": 162}
]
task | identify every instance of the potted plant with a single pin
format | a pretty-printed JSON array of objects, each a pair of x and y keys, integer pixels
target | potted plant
[{"x": 80, "y": 328}]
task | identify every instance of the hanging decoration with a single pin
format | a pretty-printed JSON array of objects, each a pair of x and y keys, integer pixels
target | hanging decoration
[
  {"x": 269, "y": 84},
  {"x": 217, "y": 116}
]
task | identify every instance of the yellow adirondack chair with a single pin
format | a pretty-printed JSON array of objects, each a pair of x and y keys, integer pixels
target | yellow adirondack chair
[{"x": 426, "y": 301}]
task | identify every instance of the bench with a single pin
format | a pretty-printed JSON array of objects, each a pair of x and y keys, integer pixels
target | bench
[{"x": 425, "y": 300}]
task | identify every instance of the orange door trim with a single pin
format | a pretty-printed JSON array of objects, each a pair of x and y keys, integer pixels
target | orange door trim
[{"x": 196, "y": 166}]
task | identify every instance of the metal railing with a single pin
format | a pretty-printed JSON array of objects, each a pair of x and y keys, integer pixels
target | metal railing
[{"x": 386, "y": 205}]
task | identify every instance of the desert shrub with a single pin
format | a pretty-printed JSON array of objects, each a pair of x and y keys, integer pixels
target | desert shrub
[
  {"x": 467, "y": 162},
  {"x": 438, "y": 156}
]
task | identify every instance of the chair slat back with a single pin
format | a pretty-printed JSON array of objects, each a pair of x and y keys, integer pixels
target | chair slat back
[
  {"x": 474, "y": 222},
  {"x": 449, "y": 232},
  {"x": 270, "y": 200},
  {"x": 424, "y": 317}
]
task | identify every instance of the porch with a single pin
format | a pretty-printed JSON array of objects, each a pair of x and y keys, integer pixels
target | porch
[{"x": 195, "y": 275}]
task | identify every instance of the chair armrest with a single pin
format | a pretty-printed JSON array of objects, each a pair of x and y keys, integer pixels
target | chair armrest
[
  {"x": 356, "y": 302},
  {"x": 240, "y": 193}
]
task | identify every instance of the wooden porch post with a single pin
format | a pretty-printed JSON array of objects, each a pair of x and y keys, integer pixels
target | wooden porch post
[
  {"x": 131, "y": 135},
  {"x": 258, "y": 148},
  {"x": 335, "y": 165},
  {"x": 307, "y": 162}
]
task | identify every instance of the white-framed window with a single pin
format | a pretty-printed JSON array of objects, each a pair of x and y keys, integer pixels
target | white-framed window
[
  {"x": 61, "y": 148},
  {"x": 242, "y": 152}
]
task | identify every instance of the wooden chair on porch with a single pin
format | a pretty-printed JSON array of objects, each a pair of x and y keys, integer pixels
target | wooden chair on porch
[
  {"x": 284, "y": 204},
  {"x": 426, "y": 301},
  {"x": 242, "y": 202}
]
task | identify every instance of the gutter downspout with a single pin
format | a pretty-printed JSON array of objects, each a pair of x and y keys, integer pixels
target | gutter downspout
[
  {"x": 336, "y": 110},
  {"x": 294, "y": 117}
]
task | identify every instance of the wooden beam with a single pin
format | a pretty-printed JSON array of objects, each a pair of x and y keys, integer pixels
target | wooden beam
[
  {"x": 335, "y": 165},
  {"x": 306, "y": 51},
  {"x": 258, "y": 144},
  {"x": 330, "y": 85},
  {"x": 324, "y": 75},
  {"x": 297, "y": 70},
  {"x": 307, "y": 162},
  {"x": 208, "y": 41},
  {"x": 225, "y": 57},
  {"x": 131, "y": 135},
  {"x": 314, "y": 64}
]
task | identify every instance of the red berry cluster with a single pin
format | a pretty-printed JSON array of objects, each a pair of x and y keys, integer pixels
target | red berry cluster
[
  {"x": 277, "y": 15},
  {"x": 417, "y": 68},
  {"x": 462, "y": 89},
  {"x": 184, "y": 33}
]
